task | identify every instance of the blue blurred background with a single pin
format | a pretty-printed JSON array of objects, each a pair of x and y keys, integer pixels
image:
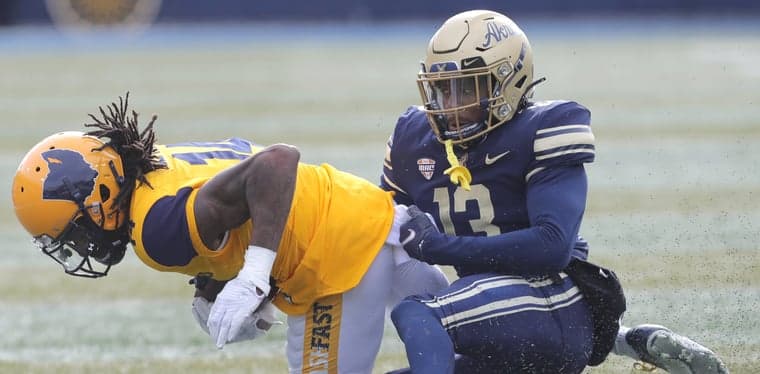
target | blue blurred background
[{"x": 15, "y": 12}]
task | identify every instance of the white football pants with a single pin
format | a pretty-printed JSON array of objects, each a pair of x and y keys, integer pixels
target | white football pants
[{"x": 342, "y": 333}]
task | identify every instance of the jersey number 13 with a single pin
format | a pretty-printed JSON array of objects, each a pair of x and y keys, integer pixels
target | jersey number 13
[{"x": 483, "y": 212}]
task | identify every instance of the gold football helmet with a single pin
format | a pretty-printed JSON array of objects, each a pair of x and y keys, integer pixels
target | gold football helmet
[
  {"x": 63, "y": 194},
  {"x": 477, "y": 72}
]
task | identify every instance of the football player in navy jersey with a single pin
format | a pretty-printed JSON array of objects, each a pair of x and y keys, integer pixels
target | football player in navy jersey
[{"x": 503, "y": 178}]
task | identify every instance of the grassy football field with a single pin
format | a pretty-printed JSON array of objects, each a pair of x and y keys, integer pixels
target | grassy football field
[{"x": 673, "y": 204}]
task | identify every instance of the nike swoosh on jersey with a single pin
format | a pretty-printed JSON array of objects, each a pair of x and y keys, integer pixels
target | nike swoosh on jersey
[{"x": 491, "y": 160}]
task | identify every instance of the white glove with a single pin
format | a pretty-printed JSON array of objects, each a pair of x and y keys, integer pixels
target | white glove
[
  {"x": 240, "y": 298},
  {"x": 254, "y": 326}
]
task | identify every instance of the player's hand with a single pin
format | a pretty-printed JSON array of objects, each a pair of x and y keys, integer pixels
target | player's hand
[
  {"x": 416, "y": 233},
  {"x": 233, "y": 307},
  {"x": 254, "y": 326},
  {"x": 241, "y": 296}
]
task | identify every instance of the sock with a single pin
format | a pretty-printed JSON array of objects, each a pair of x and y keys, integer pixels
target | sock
[{"x": 622, "y": 348}]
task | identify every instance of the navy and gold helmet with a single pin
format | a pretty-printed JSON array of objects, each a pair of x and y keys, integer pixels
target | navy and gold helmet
[
  {"x": 63, "y": 194},
  {"x": 477, "y": 71}
]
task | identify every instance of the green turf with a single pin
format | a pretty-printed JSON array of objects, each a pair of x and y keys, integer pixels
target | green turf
[{"x": 673, "y": 203}]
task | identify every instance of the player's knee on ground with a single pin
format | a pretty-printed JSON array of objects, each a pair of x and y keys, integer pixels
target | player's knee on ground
[
  {"x": 429, "y": 348},
  {"x": 410, "y": 315}
]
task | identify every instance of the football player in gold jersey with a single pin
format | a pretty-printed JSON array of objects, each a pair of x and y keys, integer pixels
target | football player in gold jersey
[{"x": 319, "y": 244}]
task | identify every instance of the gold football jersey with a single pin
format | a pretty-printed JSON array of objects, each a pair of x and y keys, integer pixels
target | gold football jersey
[{"x": 337, "y": 224}]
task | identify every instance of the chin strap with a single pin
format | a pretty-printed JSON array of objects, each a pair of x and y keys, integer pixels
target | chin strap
[{"x": 457, "y": 173}]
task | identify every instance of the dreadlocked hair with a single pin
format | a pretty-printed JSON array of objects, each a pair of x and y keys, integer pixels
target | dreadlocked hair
[{"x": 136, "y": 149}]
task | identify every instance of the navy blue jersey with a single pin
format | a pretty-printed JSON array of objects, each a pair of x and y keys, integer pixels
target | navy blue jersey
[{"x": 528, "y": 195}]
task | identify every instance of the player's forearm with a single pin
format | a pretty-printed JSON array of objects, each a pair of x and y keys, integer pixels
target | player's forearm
[
  {"x": 269, "y": 185},
  {"x": 536, "y": 250}
]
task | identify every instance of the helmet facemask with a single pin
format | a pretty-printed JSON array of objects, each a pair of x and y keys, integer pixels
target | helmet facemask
[
  {"x": 457, "y": 105},
  {"x": 84, "y": 240}
]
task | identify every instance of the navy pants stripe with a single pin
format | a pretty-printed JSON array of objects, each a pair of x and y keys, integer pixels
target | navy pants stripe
[{"x": 504, "y": 324}]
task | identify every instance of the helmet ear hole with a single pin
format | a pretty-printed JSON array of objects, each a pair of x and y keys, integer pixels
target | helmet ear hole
[
  {"x": 521, "y": 82},
  {"x": 105, "y": 192}
]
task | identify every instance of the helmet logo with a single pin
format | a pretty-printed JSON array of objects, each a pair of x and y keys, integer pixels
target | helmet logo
[
  {"x": 496, "y": 32},
  {"x": 70, "y": 177},
  {"x": 444, "y": 66}
]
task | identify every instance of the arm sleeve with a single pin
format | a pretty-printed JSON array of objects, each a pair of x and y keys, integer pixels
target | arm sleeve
[
  {"x": 556, "y": 200},
  {"x": 166, "y": 233}
]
